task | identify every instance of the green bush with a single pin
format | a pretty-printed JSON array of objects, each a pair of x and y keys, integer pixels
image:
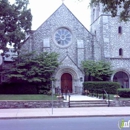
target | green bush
[
  {"x": 124, "y": 92},
  {"x": 109, "y": 87},
  {"x": 18, "y": 88}
]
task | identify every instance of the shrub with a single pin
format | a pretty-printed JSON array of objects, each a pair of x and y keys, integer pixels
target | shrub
[
  {"x": 124, "y": 92},
  {"x": 109, "y": 87},
  {"x": 18, "y": 88}
]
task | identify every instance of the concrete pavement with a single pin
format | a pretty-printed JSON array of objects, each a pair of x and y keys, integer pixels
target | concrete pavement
[
  {"x": 64, "y": 112},
  {"x": 79, "y": 98}
]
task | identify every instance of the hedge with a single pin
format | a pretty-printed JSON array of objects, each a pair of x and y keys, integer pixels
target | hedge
[
  {"x": 18, "y": 88},
  {"x": 124, "y": 92},
  {"x": 109, "y": 87}
]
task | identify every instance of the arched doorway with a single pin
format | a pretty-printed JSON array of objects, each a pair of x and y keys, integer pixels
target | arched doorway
[
  {"x": 66, "y": 83},
  {"x": 122, "y": 78}
]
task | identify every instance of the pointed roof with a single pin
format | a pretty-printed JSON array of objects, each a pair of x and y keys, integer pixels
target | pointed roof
[
  {"x": 65, "y": 7},
  {"x": 68, "y": 59}
]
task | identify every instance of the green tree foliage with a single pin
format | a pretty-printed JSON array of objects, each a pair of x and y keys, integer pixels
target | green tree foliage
[
  {"x": 97, "y": 71},
  {"x": 34, "y": 68},
  {"x": 113, "y": 6},
  {"x": 15, "y": 22}
]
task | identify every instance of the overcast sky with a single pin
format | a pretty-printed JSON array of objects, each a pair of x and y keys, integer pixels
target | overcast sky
[{"x": 42, "y": 9}]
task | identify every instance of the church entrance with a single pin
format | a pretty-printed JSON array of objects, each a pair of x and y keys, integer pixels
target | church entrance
[
  {"x": 66, "y": 83},
  {"x": 122, "y": 78}
]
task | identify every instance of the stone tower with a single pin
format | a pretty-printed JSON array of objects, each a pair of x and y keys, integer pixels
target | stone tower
[{"x": 113, "y": 38}]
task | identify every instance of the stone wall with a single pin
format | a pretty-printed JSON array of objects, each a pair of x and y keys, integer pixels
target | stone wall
[
  {"x": 31, "y": 104},
  {"x": 48, "y": 104},
  {"x": 119, "y": 103}
]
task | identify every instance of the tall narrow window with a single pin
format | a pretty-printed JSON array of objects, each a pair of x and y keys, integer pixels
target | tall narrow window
[
  {"x": 120, "y": 30},
  {"x": 93, "y": 15},
  {"x": 95, "y": 33},
  {"x": 120, "y": 52}
]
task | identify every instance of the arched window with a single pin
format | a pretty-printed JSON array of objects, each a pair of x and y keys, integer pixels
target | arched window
[
  {"x": 95, "y": 32},
  {"x": 93, "y": 15},
  {"x": 97, "y": 11},
  {"x": 120, "y": 30},
  {"x": 120, "y": 52},
  {"x": 122, "y": 78}
]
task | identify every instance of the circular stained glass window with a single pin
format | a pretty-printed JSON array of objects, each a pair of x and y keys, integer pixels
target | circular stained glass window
[{"x": 63, "y": 36}]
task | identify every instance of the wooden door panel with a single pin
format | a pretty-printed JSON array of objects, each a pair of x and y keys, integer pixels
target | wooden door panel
[{"x": 66, "y": 83}]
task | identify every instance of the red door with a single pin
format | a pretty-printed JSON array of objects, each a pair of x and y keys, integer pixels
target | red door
[{"x": 66, "y": 83}]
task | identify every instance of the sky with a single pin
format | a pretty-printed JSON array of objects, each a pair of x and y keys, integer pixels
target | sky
[{"x": 42, "y": 9}]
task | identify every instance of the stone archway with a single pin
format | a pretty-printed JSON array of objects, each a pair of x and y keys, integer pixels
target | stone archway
[
  {"x": 122, "y": 78},
  {"x": 75, "y": 75}
]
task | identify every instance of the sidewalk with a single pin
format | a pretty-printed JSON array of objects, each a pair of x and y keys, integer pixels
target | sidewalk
[
  {"x": 64, "y": 112},
  {"x": 80, "y": 98}
]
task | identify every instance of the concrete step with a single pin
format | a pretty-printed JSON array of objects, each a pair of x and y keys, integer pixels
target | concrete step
[
  {"x": 89, "y": 103},
  {"x": 85, "y": 101}
]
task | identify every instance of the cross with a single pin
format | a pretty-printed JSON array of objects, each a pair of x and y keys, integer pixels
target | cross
[{"x": 63, "y": 1}]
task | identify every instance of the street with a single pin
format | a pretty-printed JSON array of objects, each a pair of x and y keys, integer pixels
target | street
[{"x": 86, "y": 123}]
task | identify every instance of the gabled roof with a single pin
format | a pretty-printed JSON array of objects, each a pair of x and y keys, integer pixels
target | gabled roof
[
  {"x": 61, "y": 6},
  {"x": 67, "y": 56},
  {"x": 64, "y": 6}
]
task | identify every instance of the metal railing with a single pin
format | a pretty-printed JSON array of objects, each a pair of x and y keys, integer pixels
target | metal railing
[
  {"x": 64, "y": 92},
  {"x": 68, "y": 98},
  {"x": 99, "y": 93}
]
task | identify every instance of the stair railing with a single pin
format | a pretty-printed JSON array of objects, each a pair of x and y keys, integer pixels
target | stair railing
[
  {"x": 108, "y": 97},
  {"x": 96, "y": 92},
  {"x": 67, "y": 94},
  {"x": 68, "y": 98},
  {"x": 64, "y": 93}
]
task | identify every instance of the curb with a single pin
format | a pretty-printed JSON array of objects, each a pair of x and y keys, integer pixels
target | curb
[{"x": 79, "y": 116}]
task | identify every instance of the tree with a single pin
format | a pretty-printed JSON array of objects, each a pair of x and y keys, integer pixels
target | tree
[
  {"x": 15, "y": 22},
  {"x": 97, "y": 71},
  {"x": 34, "y": 68},
  {"x": 113, "y": 6}
]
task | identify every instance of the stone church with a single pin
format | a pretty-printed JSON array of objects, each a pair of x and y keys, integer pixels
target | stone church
[{"x": 63, "y": 33}]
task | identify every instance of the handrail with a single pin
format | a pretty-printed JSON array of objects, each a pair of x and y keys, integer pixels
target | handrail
[
  {"x": 64, "y": 91},
  {"x": 107, "y": 97},
  {"x": 100, "y": 91},
  {"x": 67, "y": 93},
  {"x": 68, "y": 98}
]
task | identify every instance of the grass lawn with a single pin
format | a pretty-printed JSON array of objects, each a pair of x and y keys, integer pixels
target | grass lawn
[
  {"x": 27, "y": 97},
  {"x": 112, "y": 97},
  {"x": 121, "y": 98}
]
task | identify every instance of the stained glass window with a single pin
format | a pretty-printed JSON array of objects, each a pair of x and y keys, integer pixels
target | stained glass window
[{"x": 63, "y": 36}]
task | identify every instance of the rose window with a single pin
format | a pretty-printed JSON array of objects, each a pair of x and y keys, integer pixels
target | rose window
[{"x": 63, "y": 36}]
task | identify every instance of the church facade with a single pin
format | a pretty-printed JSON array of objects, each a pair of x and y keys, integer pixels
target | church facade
[{"x": 64, "y": 34}]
